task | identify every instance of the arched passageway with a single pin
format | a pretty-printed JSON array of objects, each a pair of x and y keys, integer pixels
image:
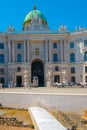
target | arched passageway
[{"x": 37, "y": 69}]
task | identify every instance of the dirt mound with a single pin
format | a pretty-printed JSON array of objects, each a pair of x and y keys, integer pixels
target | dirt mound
[
  {"x": 21, "y": 118},
  {"x": 14, "y": 122},
  {"x": 15, "y": 117}
]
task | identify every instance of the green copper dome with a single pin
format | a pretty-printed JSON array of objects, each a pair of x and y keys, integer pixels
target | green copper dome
[{"x": 32, "y": 14}]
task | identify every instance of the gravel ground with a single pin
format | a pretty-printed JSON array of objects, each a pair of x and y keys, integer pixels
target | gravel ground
[
  {"x": 72, "y": 121},
  {"x": 17, "y": 118},
  {"x": 13, "y": 128},
  {"x": 13, "y": 119}
]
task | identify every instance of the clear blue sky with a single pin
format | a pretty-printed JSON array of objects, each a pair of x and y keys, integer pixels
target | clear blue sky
[{"x": 69, "y": 12}]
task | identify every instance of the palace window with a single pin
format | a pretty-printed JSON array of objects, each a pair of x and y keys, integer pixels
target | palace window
[
  {"x": 2, "y": 71},
  {"x": 1, "y": 45},
  {"x": 73, "y": 79},
  {"x": 85, "y": 43},
  {"x": 55, "y": 57},
  {"x": 72, "y": 45},
  {"x": 2, "y": 58},
  {"x": 54, "y": 45},
  {"x": 85, "y": 56},
  {"x": 86, "y": 69},
  {"x": 72, "y": 57},
  {"x": 19, "y": 46},
  {"x": 19, "y": 58},
  {"x": 72, "y": 69}
]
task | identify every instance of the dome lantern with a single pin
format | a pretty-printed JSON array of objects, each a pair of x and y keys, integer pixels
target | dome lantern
[{"x": 35, "y": 7}]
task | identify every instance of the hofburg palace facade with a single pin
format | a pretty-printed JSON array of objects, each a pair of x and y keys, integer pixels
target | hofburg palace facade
[{"x": 52, "y": 56}]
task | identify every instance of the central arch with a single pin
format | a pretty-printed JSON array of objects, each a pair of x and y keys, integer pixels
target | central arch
[{"x": 37, "y": 69}]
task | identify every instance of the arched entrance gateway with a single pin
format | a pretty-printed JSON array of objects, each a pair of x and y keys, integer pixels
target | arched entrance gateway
[{"x": 37, "y": 69}]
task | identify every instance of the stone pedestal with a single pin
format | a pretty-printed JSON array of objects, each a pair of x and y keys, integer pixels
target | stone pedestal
[
  {"x": 49, "y": 79},
  {"x": 26, "y": 79}
]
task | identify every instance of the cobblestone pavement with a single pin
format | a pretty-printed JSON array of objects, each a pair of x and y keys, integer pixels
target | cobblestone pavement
[{"x": 47, "y": 90}]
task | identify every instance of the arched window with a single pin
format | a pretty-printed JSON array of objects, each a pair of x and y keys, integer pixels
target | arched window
[
  {"x": 19, "y": 58},
  {"x": 72, "y": 57},
  {"x": 85, "y": 56},
  {"x": 54, "y": 45},
  {"x": 2, "y": 58},
  {"x": 55, "y": 57}
]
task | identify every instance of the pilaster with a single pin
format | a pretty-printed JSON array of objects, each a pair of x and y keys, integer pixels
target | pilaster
[
  {"x": 13, "y": 48},
  {"x": 65, "y": 51},
  {"x": 28, "y": 51},
  {"x": 46, "y": 49},
  {"x": 9, "y": 48},
  {"x": 7, "y": 55},
  {"x": 61, "y": 50},
  {"x": 50, "y": 51},
  {"x": 24, "y": 51}
]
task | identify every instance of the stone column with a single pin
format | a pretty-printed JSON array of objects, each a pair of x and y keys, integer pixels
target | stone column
[
  {"x": 49, "y": 78},
  {"x": 13, "y": 48},
  {"x": 46, "y": 50},
  {"x": 24, "y": 51},
  {"x": 28, "y": 51},
  {"x": 6, "y": 53},
  {"x": 59, "y": 51},
  {"x": 65, "y": 51},
  {"x": 50, "y": 51},
  {"x": 61, "y": 48},
  {"x": 9, "y": 50}
]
